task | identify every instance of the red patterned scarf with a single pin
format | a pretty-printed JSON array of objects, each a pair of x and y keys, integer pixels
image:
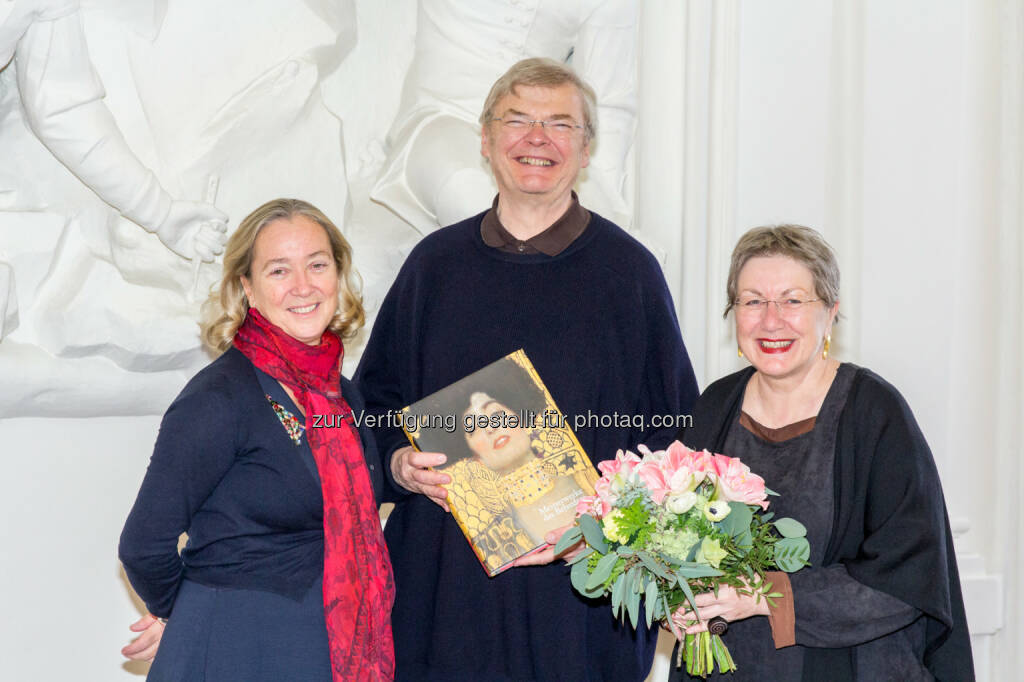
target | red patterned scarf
[{"x": 358, "y": 585}]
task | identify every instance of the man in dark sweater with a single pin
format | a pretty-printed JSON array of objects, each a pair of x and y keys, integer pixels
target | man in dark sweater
[{"x": 590, "y": 306}]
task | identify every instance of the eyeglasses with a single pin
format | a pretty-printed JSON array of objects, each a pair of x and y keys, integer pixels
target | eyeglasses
[
  {"x": 751, "y": 306},
  {"x": 559, "y": 128}
]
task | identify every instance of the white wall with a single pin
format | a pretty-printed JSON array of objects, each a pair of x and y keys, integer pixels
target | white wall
[{"x": 66, "y": 489}]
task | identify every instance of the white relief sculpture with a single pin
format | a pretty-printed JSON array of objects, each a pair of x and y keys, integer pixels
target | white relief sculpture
[
  {"x": 434, "y": 174},
  {"x": 107, "y": 314},
  {"x": 61, "y": 97},
  {"x": 251, "y": 96}
]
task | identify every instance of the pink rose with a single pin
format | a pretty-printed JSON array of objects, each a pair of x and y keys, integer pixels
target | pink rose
[
  {"x": 591, "y": 504},
  {"x": 682, "y": 472},
  {"x": 604, "y": 496},
  {"x": 704, "y": 461},
  {"x": 624, "y": 463},
  {"x": 736, "y": 483},
  {"x": 653, "y": 476}
]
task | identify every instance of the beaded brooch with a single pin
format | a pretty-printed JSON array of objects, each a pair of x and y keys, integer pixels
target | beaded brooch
[{"x": 292, "y": 425}]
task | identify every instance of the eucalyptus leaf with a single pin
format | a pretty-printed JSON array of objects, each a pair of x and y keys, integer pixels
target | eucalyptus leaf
[
  {"x": 618, "y": 589},
  {"x": 790, "y": 528},
  {"x": 685, "y": 587},
  {"x": 578, "y": 576},
  {"x": 581, "y": 556},
  {"x": 653, "y": 566},
  {"x": 668, "y": 617},
  {"x": 602, "y": 571},
  {"x": 791, "y": 554},
  {"x": 694, "y": 570},
  {"x": 738, "y": 520},
  {"x": 658, "y": 611},
  {"x": 635, "y": 575},
  {"x": 625, "y": 550},
  {"x": 593, "y": 533},
  {"x": 670, "y": 560},
  {"x": 568, "y": 539},
  {"x": 651, "y": 603},
  {"x": 633, "y": 606}
]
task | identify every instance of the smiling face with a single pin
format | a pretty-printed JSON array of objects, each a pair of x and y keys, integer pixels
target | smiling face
[
  {"x": 293, "y": 278},
  {"x": 781, "y": 345},
  {"x": 500, "y": 448},
  {"x": 529, "y": 162}
]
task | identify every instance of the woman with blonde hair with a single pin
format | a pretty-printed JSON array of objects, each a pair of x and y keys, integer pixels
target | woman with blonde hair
[{"x": 285, "y": 574}]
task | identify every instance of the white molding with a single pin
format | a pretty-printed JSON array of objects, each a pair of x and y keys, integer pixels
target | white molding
[
  {"x": 694, "y": 315},
  {"x": 659, "y": 136},
  {"x": 844, "y": 186},
  {"x": 722, "y": 135},
  {"x": 1007, "y": 657}
]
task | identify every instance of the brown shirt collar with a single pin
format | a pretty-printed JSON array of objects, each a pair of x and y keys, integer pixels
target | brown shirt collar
[{"x": 551, "y": 242}]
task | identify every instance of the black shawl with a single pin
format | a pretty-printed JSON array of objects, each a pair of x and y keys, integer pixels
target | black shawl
[{"x": 890, "y": 528}]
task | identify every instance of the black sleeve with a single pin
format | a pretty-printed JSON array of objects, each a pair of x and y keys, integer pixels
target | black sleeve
[{"x": 194, "y": 449}]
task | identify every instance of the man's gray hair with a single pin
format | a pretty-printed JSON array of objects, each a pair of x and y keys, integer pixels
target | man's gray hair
[{"x": 544, "y": 73}]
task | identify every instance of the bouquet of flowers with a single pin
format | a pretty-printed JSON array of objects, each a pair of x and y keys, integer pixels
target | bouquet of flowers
[{"x": 674, "y": 523}]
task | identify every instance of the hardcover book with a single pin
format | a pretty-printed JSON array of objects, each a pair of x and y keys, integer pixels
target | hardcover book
[{"x": 517, "y": 468}]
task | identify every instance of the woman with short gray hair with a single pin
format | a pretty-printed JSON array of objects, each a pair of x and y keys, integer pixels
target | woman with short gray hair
[{"x": 881, "y": 596}]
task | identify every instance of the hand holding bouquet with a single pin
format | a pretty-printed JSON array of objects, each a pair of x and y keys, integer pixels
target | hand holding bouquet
[{"x": 672, "y": 524}]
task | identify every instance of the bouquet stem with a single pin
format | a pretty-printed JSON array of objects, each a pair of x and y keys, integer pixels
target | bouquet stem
[{"x": 701, "y": 652}]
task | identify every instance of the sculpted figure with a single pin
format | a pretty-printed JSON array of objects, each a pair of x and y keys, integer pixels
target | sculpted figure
[
  {"x": 434, "y": 174},
  {"x": 62, "y": 100}
]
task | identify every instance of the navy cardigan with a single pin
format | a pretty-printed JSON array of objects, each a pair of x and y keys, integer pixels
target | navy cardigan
[{"x": 225, "y": 471}]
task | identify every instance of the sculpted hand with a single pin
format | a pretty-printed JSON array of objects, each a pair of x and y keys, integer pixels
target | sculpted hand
[
  {"x": 547, "y": 554},
  {"x": 729, "y": 604},
  {"x": 144, "y": 647},
  {"x": 409, "y": 468},
  {"x": 194, "y": 230}
]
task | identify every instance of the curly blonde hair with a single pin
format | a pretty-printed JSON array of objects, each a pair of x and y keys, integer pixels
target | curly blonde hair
[{"x": 226, "y": 308}]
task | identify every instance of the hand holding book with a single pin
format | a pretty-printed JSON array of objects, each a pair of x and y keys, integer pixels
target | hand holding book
[
  {"x": 512, "y": 470},
  {"x": 411, "y": 469},
  {"x": 547, "y": 554}
]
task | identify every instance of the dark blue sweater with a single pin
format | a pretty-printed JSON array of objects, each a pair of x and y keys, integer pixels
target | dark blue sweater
[
  {"x": 598, "y": 323},
  {"x": 225, "y": 471}
]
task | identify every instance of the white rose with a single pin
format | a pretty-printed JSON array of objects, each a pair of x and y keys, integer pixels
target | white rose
[{"x": 680, "y": 503}]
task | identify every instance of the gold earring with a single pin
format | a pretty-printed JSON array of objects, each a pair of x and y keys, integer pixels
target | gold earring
[
  {"x": 739, "y": 352},
  {"x": 828, "y": 344}
]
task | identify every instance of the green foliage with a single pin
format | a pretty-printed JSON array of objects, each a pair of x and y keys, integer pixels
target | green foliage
[
  {"x": 651, "y": 601},
  {"x": 635, "y": 493},
  {"x": 635, "y": 522},
  {"x": 568, "y": 539},
  {"x": 648, "y": 559},
  {"x": 585, "y": 553},
  {"x": 790, "y": 528},
  {"x": 791, "y": 554},
  {"x": 593, "y": 533},
  {"x": 602, "y": 571}
]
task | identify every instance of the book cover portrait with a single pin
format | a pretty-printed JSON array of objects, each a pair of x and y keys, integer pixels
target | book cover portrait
[{"x": 517, "y": 469}]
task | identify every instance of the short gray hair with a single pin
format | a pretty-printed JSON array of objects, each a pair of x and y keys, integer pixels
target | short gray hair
[
  {"x": 800, "y": 243},
  {"x": 544, "y": 73}
]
